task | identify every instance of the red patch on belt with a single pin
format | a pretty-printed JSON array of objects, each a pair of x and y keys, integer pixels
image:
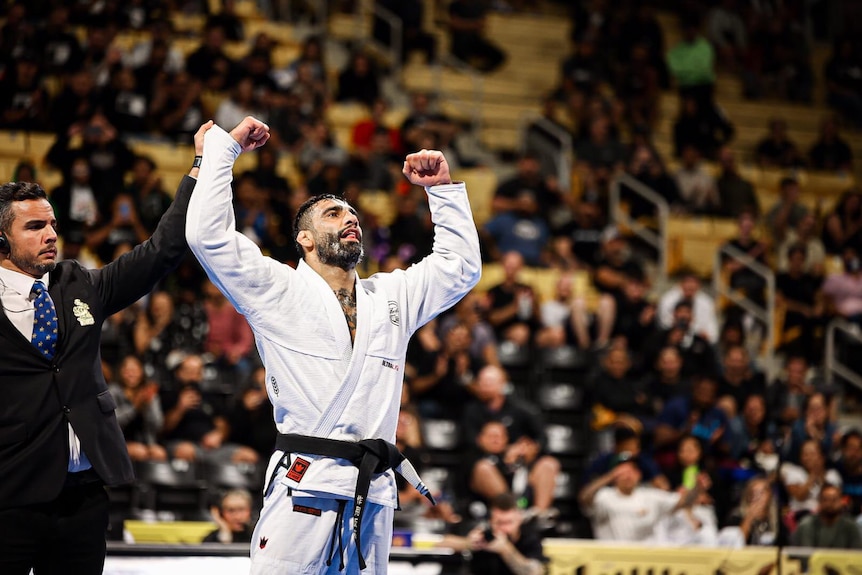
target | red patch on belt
[
  {"x": 298, "y": 469},
  {"x": 306, "y": 510}
]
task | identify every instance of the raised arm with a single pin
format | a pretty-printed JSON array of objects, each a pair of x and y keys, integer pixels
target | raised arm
[
  {"x": 455, "y": 264},
  {"x": 232, "y": 261}
]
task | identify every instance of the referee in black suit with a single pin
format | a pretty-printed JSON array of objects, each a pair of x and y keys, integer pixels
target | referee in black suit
[{"x": 60, "y": 443}]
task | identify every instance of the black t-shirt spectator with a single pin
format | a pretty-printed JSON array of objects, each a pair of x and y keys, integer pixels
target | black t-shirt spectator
[
  {"x": 802, "y": 290},
  {"x": 521, "y": 420},
  {"x": 782, "y": 153},
  {"x": 629, "y": 268},
  {"x": 529, "y": 544},
  {"x": 834, "y": 155},
  {"x": 628, "y": 321},
  {"x": 586, "y": 242}
]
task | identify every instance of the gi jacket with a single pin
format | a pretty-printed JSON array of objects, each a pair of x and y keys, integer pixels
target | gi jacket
[
  {"x": 319, "y": 383},
  {"x": 38, "y": 396}
]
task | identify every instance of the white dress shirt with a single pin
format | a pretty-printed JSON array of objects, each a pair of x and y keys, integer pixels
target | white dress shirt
[{"x": 17, "y": 301}]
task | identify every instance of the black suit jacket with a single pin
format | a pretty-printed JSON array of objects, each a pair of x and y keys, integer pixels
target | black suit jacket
[{"x": 39, "y": 396}]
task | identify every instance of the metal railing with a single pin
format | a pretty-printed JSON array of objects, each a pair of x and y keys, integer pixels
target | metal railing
[
  {"x": 656, "y": 239},
  {"x": 832, "y": 365},
  {"x": 764, "y": 314},
  {"x": 564, "y": 152},
  {"x": 396, "y": 35}
]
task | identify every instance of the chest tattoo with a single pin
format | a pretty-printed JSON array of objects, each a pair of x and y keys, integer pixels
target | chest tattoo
[{"x": 348, "y": 306}]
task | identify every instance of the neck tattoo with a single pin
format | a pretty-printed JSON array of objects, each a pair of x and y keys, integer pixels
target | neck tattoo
[{"x": 347, "y": 300}]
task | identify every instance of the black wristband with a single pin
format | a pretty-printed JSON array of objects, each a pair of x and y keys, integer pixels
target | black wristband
[{"x": 197, "y": 162}]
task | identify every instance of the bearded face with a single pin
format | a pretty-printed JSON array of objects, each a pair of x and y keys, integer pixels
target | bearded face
[{"x": 333, "y": 250}]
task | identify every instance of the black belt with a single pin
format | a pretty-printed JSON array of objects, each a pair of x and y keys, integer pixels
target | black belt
[
  {"x": 82, "y": 478},
  {"x": 371, "y": 456}
]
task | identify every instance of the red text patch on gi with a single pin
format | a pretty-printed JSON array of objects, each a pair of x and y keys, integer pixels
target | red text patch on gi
[{"x": 298, "y": 469}]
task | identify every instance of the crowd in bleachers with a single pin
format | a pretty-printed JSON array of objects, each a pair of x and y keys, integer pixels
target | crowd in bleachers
[{"x": 569, "y": 377}]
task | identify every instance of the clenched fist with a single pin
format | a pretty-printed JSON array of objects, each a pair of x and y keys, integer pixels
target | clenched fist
[{"x": 427, "y": 168}]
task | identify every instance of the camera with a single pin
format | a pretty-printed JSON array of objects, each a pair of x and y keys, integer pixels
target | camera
[{"x": 488, "y": 534}]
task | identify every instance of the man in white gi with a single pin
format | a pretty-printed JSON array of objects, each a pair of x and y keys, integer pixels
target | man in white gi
[{"x": 334, "y": 348}]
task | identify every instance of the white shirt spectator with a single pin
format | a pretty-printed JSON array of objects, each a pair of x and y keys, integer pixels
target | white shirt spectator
[
  {"x": 697, "y": 188},
  {"x": 697, "y": 526},
  {"x": 630, "y": 518},
  {"x": 795, "y": 475},
  {"x": 704, "y": 321},
  {"x": 554, "y": 313}
]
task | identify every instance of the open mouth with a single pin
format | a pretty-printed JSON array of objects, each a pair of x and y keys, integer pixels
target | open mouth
[{"x": 351, "y": 233}]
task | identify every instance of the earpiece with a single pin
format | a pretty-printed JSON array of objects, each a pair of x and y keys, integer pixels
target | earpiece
[{"x": 4, "y": 242}]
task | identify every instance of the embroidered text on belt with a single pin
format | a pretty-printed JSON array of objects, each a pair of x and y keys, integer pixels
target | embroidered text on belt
[{"x": 371, "y": 456}]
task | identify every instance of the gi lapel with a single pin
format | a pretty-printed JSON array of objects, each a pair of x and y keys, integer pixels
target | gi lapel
[{"x": 336, "y": 407}]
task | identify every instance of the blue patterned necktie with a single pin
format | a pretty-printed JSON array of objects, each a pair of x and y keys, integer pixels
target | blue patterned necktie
[{"x": 44, "y": 322}]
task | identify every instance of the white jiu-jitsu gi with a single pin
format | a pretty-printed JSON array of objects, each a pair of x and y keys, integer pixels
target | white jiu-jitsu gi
[{"x": 320, "y": 383}]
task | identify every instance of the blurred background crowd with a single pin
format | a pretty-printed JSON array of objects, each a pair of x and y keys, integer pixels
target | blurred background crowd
[{"x": 699, "y": 389}]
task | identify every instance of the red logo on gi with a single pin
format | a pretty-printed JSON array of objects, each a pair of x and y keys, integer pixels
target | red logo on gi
[{"x": 298, "y": 469}]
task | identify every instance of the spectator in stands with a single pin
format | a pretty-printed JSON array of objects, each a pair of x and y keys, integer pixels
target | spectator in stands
[
  {"x": 830, "y": 151},
  {"x": 359, "y": 82},
  {"x": 158, "y": 39},
  {"x": 139, "y": 411},
  {"x": 229, "y": 339},
  {"x": 601, "y": 151},
  {"x": 585, "y": 230},
  {"x": 584, "y": 71},
  {"x": 108, "y": 156},
  {"x": 75, "y": 203},
  {"x": 616, "y": 262},
  {"x": 705, "y": 319},
  {"x": 755, "y": 521},
  {"x": 241, "y": 102},
  {"x": 843, "y": 74},
  {"x": 522, "y": 230},
  {"x": 472, "y": 311},
  {"x": 467, "y": 22},
  {"x": 233, "y": 517},
  {"x": 157, "y": 333},
  {"x": 641, "y": 27},
  {"x": 844, "y": 291},
  {"x": 704, "y": 128},
  {"x": 726, "y": 31},
  {"x": 698, "y": 356},
  {"x": 513, "y": 306},
  {"x": 799, "y": 293},
  {"x": 739, "y": 379},
  {"x": 829, "y": 528},
  {"x": 632, "y": 316},
  {"x": 209, "y": 64},
  {"x": 127, "y": 103},
  {"x": 528, "y": 181},
  {"x": 16, "y": 33},
  {"x": 422, "y": 120},
  {"x": 363, "y": 131},
  {"x": 250, "y": 419},
  {"x": 804, "y": 235},
  {"x": 229, "y": 21},
  {"x": 555, "y": 316},
  {"x": 621, "y": 509},
  {"x": 524, "y": 429},
  {"x": 805, "y": 482},
  {"x": 639, "y": 87},
  {"x": 849, "y": 465},
  {"x": 735, "y": 192},
  {"x": 59, "y": 49},
  {"x": 692, "y": 64},
  {"x": 789, "y": 393},
  {"x": 743, "y": 278},
  {"x": 777, "y": 150},
  {"x": 626, "y": 447},
  {"x": 177, "y": 107},
  {"x": 751, "y": 433},
  {"x": 815, "y": 423},
  {"x": 665, "y": 379},
  {"x": 788, "y": 211},
  {"x": 414, "y": 38},
  {"x": 195, "y": 428},
  {"x": 506, "y": 546},
  {"x": 844, "y": 225},
  {"x": 647, "y": 167},
  {"x": 23, "y": 99},
  {"x": 145, "y": 188},
  {"x": 617, "y": 394},
  {"x": 697, "y": 188},
  {"x": 319, "y": 149},
  {"x": 442, "y": 376},
  {"x": 124, "y": 228},
  {"x": 695, "y": 415}
]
